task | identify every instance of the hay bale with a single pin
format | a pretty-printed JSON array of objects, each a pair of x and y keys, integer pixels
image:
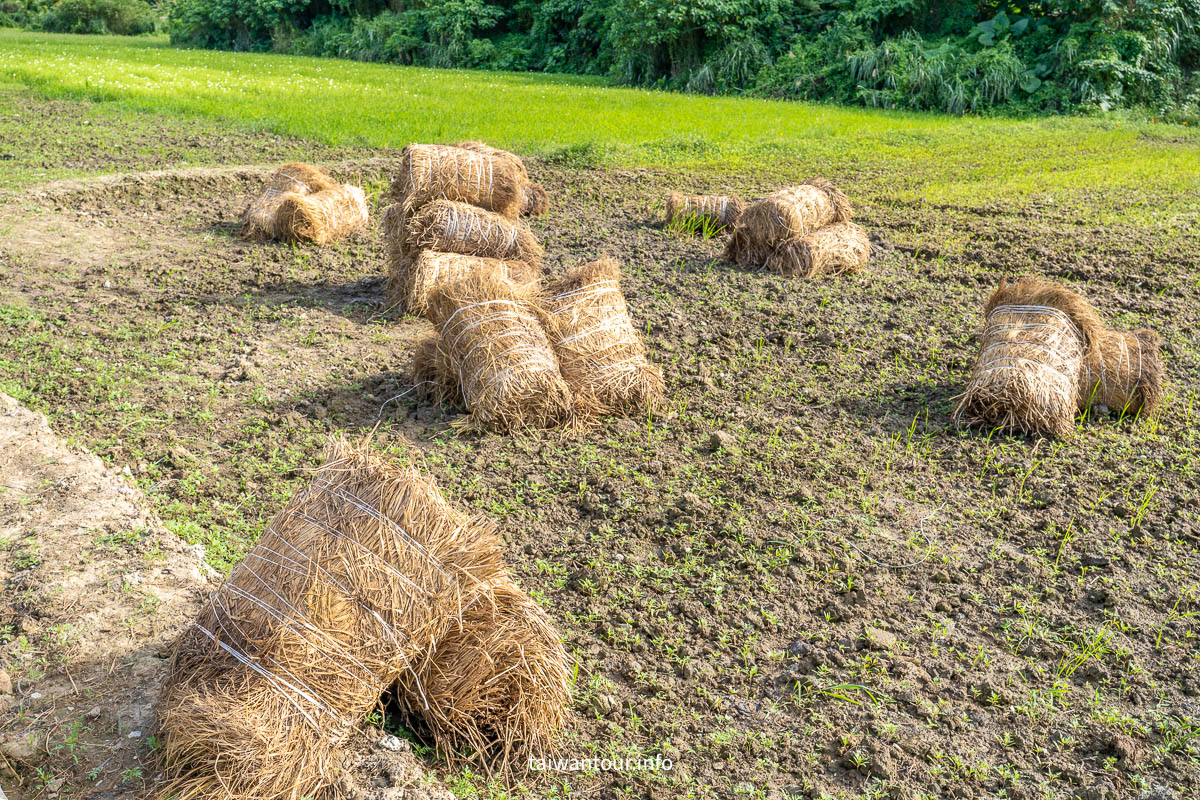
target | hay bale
[
  {"x": 1123, "y": 372},
  {"x": 391, "y": 225},
  {"x": 431, "y": 269},
  {"x": 494, "y": 350},
  {"x": 321, "y": 217},
  {"x": 451, "y": 227},
  {"x": 832, "y": 250},
  {"x": 497, "y": 685},
  {"x": 430, "y": 172},
  {"x": 349, "y": 588},
  {"x": 496, "y": 152},
  {"x": 1028, "y": 373},
  {"x": 258, "y": 218},
  {"x": 787, "y": 214},
  {"x": 720, "y": 210},
  {"x": 537, "y": 201},
  {"x": 600, "y": 352}
]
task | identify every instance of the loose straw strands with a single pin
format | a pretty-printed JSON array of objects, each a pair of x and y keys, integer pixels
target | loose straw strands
[{"x": 602, "y": 357}]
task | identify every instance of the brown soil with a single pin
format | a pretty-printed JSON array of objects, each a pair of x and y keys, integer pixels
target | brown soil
[{"x": 798, "y": 579}]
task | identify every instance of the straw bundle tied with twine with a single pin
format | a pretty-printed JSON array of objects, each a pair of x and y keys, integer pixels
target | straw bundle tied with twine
[
  {"x": 1045, "y": 354},
  {"x": 432, "y": 269},
  {"x": 787, "y": 214},
  {"x": 365, "y": 574},
  {"x": 536, "y": 201},
  {"x": 322, "y": 217},
  {"x": 837, "y": 248},
  {"x": 721, "y": 210},
  {"x": 492, "y": 355},
  {"x": 258, "y": 218},
  {"x": 453, "y": 227},
  {"x": 430, "y": 172},
  {"x": 600, "y": 353}
]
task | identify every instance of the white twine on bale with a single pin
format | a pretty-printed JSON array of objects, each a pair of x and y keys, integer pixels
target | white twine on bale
[
  {"x": 613, "y": 321},
  {"x": 478, "y": 170},
  {"x": 460, "y": 224},
  {"x": 531, "y": 357},
  {"x": 297, "y": 621},
  {"x": 999, "y": 362}
]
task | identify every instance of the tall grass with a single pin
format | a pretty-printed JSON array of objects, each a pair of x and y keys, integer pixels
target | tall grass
[{"x": 935, "y": 157}]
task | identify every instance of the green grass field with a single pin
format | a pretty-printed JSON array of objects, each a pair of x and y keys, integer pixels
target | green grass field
[{"x": 1135, "y": 166}]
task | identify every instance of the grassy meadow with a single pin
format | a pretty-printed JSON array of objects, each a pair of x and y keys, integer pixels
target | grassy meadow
[{"x": 1131, "y": 166}]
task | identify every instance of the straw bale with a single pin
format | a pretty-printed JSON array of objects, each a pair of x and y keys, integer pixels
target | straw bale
[
  {"x": 1123, "y": 371},
  {"x": 452, "y": 227},
  {"x": 537, "y": 201},
  {"x": 786, "y": 214},
  {"x": 349, "y": 588},
  {"x": 491, "y": 338},
  {"x": 431, "y": 269},
  {"x": 258, "y": 218},
  {"x": 835, "y": 249},
  {"x": 718, "y": 209},
  {"x": 321, "y": 217},
  {"x": 600, "y": 352},
  {"x": 431, "y": 172},
  {"x": 496, "y": 152}
]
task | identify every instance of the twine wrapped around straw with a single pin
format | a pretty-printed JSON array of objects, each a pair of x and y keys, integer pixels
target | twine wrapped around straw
[
  {"x": 786, "y": 214},
  {"x": 451, "y": 227},
  {"x": 721, "y": 210},
  {"x": 498, "y": 684},
  {"x": 493, "y": 353},
  {"x": 322, "y": 217},
  {"x": 431, "y": 269},
  {"x": 838, "y": 248},
  {"x": 602, "y": 357},
  {"x": 431, "y": 172},
  {"x": 536, "y": 201},
  {"x": 1123, "y": 372},
  {"x": 258, "y": 218},
  {"x": 351, "y": 586},
  {"x": 495, "y": 152}
]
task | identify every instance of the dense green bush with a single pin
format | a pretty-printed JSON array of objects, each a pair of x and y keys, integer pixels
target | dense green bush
[
  {"x": 99, "y": 16},
  {"x": 956, "y": 55}
]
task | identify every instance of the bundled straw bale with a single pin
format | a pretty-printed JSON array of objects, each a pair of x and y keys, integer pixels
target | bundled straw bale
[
  {"x": 498, "y": 684},
  {"x": 832, "y": 250},
  {"x": 1031, "y": 357},
  {"x": 391, "y": 224},
  {"x": 258, "y": 218},
  {"x": 537, "y": 201},
  {"x": 602, "y": 357},
  {"x": 348, "y": 589},
  {"x": 494, "y": 350},
  {"x": 322, "y": 217},
  {"x": 431, "y": 172},
  {"x": 431, "y": 269},
  {"x": 451, "y": 227},
  {"x": 785, "y": 215},
  {"x": 722, "y": 210},
  {"x": 496, "y": 152},
  {"x": 1123, "y": 371}
]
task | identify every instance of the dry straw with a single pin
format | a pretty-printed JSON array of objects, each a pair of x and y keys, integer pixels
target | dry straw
[
  {"x": 391, "y": 225},
  {"x": 494, "y": 356},
  {"x": 430, "y": 172},
  {"x": 782, "y": 216},
  {"x": 431, "y": 269},
  {"x": 364, "y": 574},
  {"x": 1031, "y": 357},
  {"x": 536, "y": 200},
  {"x": 720, "y": 210},
  {"x": 1123, "y": 372},
  {"x": 602, "y": 357},
  {"x": 322, "y": 217},
  {"x": 496, "y": 152},
  {"x": 841, "y": 247},
  {"x": 258, "y": 218},
  {"x": 497, "y": 685},
  {"x": 451, "y": 227}
]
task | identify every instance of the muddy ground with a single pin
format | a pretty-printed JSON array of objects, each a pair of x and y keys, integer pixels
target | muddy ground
[{"x": 799, "y": 579}]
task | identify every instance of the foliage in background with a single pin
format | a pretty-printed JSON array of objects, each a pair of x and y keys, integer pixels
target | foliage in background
[
  {"x": 958, "y": 56},
  {"x": 123, "y": 17}
]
